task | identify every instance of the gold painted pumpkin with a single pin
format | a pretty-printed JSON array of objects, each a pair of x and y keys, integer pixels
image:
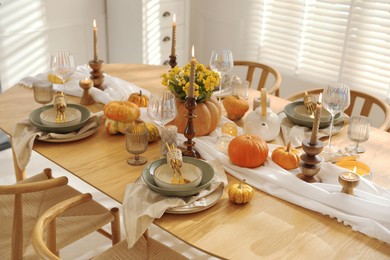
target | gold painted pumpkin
[
  {"x": 207, "y": 113},
  {"x": 286, "y": 157},
  {"x": 240, "y": 193},
  {"x": 119, "y": 115},
  {"x": 248, "y": 151},
  {"x": 153, "y": 132},
  {"x": 139, "y": 99},
  {"x": 235, "y": 106}
]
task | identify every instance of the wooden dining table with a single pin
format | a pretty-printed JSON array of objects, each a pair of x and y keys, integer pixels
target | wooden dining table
[{"x": 266, "y": 227}]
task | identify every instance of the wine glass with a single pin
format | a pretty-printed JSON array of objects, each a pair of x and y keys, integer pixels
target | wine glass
[
  {"x": 162, "y": 108},
  {"x": 335, "y": 99},
  {"x": 222, "y": 62},
  {"x": 63, "y": 66},
  {"x": 358, "y": 131},
  {"x": 136, "y": 143},
  {"x": 43, "y": 92}
]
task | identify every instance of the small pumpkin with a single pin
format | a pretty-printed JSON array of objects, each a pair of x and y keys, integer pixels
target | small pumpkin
[
  {"x": 240, "y": 193},
  {"x": 248, "y": 151},
  {"x": 235, "y": 106},
  {"x": 153, "y": 132},
  {"x": 266, "y": 127},
  {"x": 139, "y": 99},
  {"x": 120, "y": 114},
  {"x": 286, "y": 157},
  {"x": 208, "y": 114}
]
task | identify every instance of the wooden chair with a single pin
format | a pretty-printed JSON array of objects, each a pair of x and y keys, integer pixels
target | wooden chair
[
  {"x": 368, "y": 102},
  {"x": 145, "y": 248},
  {"x": 265, "y": 71},
  {"x": 21, "y": 204}
]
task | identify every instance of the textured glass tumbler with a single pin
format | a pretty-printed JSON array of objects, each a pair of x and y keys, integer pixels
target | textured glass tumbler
[
  {"x": 358, "y": 132},
  {"x": 168, "y": 137},
  {"x": 136, "y": 143},
  {"x": 43, "y": 91}
]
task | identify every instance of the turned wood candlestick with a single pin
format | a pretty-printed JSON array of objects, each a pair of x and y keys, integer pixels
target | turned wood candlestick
[
  {"x": 97, "y": 74},
  {"x": 189, "y": 131},
  {"x": 172, "y": 61},
  {"x": 86, "y": 98},
  {"x": 310, "y": 161}
]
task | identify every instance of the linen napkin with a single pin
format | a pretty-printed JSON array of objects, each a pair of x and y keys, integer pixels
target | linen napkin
[
  {"x": 367, "y": 212},
  {"x": 296, "y": 133},
  {"x": 141, "y": 205},
  {"x": 25, "y": 134},
  {"x": 116, "y": 89}
]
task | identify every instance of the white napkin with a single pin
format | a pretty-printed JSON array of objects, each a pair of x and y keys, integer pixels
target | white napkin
[
  {"x": 367, "y": 212},
  {"x": 25, "y": 134},
  {"x": 296, "y": 133},
  {"x": 116, "y": 89},
  {"x": 141, "y": 205}
]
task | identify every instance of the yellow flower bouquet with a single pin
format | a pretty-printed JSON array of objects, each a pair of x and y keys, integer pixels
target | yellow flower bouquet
[{"x": 177, "y": 80}]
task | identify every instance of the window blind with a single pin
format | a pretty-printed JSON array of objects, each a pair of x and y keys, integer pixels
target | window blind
[{"x": 329, "y": 40}]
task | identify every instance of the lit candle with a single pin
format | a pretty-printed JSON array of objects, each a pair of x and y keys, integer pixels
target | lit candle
[
  {"x": 192, "y": 74},
  {"x": 173, "y": 49},
  {"x": 86, "y": 81},
  {"x": 350, "y": 176},
  {"x": 316, "y": 123},
  {"x": 229, "y": 129},
  {"x": 263, "y": 98},
  {"x": 95, "y": 55}
]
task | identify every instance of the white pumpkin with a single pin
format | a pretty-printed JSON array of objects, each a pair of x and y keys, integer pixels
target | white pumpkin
[{"x": 266, "y": 127}]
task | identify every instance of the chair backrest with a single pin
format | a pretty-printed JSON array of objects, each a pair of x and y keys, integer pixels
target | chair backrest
[
  {"x": 40, "y": 182},
  {"x": 264, "y": 70},
  {"x": 145, "y": 248},
  {"x": 367, "y": 105}
]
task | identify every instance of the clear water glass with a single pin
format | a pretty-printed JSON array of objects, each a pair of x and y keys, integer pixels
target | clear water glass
[
  {"x": 358, "y": 132},
  {"x": 162, "y": 108},
  {"x": 136, "y": 143},
  {"x": 221, "y": 61},
  {"x": 335, "y": 99}
]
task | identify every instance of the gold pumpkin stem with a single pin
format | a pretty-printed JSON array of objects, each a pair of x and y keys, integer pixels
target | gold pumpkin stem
[
  {"x": 288, "y": 147},
  {"x": 240, "y": 183}
]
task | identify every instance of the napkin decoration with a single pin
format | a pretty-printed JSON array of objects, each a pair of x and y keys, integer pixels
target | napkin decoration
[{"x": 141, "y": 205}]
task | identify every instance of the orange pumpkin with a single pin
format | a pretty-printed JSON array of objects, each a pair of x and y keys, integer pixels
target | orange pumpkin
[
  {"x": 235, "y": 107},
  {"x": 286, "y": 157},
  {"x": 139, "y": 99},
  {"x": 123, "y": 111},
  {"x": 248, "y": 151},
  {"x": 207, "y": 113}
]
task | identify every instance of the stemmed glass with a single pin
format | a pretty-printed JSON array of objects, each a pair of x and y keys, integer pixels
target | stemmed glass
[
  {"x": 136, "y": 143},
  {"x": 358, "y": 131},
  {"x": 63, "y": 66},
  {"x": 335, "y": 99},
  {"x": 222, "y": 62},
  {"x": 162, "y": 108}
]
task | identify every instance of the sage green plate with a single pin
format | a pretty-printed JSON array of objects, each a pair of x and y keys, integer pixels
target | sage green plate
[
  {"x": 207, "y": 177},
  {"x": 36, "y": 120},
  {"x": 296, "y": 113}
]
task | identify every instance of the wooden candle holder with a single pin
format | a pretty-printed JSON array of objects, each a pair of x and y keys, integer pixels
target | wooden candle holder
[
  {"x": 349, "y": 181},
  {"x": 97, "y": 74},
  {"x": 310, "y": 161},
  {"x": 86, "y": 98},
  {"x": 189, "y": 131},
  {"x": 172, "y": 61}
]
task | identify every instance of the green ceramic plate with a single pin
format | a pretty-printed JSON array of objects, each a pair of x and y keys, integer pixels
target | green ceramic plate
[
  {"x": 207, "y": 177},
  {"x": 36, "y": 120},
  {"x": 296, "y": 113}
]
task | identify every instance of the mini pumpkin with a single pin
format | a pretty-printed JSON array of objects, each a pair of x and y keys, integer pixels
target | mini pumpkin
[
  {"x": 153, "y": 132},
  {"x": 248, "y": 151},
  {"x": 139, "y": 99},
  {"x": 119, "y": 115},
  {"x": 240, "y": 193},
  {"x": 235, "y": 106},
  {"x": 286, "y": 157}
]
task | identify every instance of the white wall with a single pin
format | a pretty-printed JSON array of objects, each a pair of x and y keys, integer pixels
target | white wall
[{"x": 32, "y": 30}]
